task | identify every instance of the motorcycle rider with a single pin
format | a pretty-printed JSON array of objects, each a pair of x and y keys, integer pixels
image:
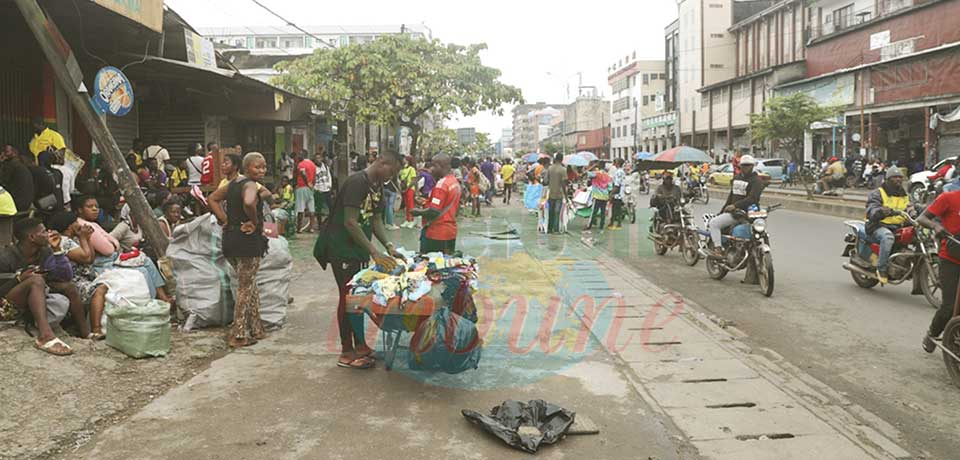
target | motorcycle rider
[
  {"x": 946, "y": 208},
  {"x": 666, "y": 198},
  {"x": 884, "y": 206},
  {"x": 745, "y": 192}
]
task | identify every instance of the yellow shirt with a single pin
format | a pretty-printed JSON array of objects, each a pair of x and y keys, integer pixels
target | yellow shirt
[
  {"x": 138, "y": 160},
  {"x": 179, "y": 175},
  {"x": 506, "y": 172},
  {"x": 46, "y": 138}
]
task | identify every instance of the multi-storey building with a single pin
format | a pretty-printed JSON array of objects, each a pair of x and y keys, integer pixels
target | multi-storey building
[
  {"x": 636, "y": 87},
  {"x": 527, "y": 120},
  {"x": 768, "y": 51},
  {"x": 658, "y": 131},
  {"x": 706, "y": 56},
  {"x": 466, "y": 136},
  {"x": 890, "y": 67}
]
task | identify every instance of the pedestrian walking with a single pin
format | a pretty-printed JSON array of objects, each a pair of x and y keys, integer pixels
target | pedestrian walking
[
  {"x": 473, "y": 181},
  {"x": 600, "y": 183},
  {"x": 507, "y": 172},
  {"x": 347, "y": 245},
  {"x": 618, "y": 179},
  {"x": 408, "y": 181},
  {"x": 323, "y": 186},
  {"x": 244, "y": 245},
  {"x": 306, "y": 176},
  {"x": 556, "y": 188}
]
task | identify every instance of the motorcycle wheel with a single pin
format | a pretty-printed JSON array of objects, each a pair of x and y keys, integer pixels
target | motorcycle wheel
[
  {"x": 660, "y": 249},
  {"x": 714, "y": 269},
  {"x": 951, "y": 341},
  {"x": 765, "y": 273},
  {"x": 861, "y": 280},
  {"x": 690, "y": 248},
  {"x": 930, "y": 282}
]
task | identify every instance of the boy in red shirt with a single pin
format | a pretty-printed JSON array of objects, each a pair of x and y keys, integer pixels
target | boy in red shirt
[
  {"x": 440, "y": 216},
  {"x": 947, "y": 208}
]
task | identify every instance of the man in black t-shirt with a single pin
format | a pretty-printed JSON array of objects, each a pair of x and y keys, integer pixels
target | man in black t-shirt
[
  {"x": 347, "y": 245},
  {"x": 16, "y": 178}
]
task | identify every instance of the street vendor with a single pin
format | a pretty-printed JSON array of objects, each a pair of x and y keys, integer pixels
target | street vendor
[
  {"x": 347, "y": 245},
  {"x": 440, "y": 216}
]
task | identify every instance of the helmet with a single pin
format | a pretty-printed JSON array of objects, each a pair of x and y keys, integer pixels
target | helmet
[
  {"x": 748, "y": 160},
  {"x": 894, "y": 172}
]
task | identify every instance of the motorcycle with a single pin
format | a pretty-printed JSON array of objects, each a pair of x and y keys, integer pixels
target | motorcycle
[
  {"x": 679, "y": 232},
  {"x": 913, "y": 257},
  {"x": 746, "y": 246},
  {"x": 698, "y": 191},
  {"x": 950, "y": 345},
  {"x": 630, "y": 190}
]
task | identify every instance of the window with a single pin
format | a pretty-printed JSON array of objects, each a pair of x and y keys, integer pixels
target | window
[
  {"x": 716, "y": 5},
  {"x": 704, "y": 100},
  {"x": 291, "y": 42},
  {"x": 737, "y": 91},
  {"x": 266, "y": 42},
  {"x": 633, "y": 129},
  {"x": 646, "y": 100},
  {"x": 646, "y": 79},
  {"x": 663, "y": 76},
  {"x": 843, "y": 17},
  {"x": 716, "y": 66},
  {"x": 716, "y": 35}
]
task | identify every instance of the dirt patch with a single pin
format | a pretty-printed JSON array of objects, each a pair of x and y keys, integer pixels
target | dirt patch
[{"x": 53, "y": 405}]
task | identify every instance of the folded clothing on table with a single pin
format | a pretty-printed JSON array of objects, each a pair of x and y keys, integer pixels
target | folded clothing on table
[{"x": 414, "y": 278}]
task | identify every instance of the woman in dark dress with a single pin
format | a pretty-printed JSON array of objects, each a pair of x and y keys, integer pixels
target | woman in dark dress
[{"x": 244, "y": 244}]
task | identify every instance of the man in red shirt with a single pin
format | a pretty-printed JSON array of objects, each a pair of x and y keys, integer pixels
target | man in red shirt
[
  {"x": 206, "y": 167},
  {"x": 440, "y": 216},
  {"x": 947, "y": 208},
  {"x": 306, "y": 174}
]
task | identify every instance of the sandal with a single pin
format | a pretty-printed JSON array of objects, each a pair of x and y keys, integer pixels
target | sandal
[
  {"x": 363, "y": 362},
  {"x": 96, "y": 336},
  {"x": 367, "y": 354},
  {"x": 54, "y": 346},
  {"x": 234, "y": 342}
]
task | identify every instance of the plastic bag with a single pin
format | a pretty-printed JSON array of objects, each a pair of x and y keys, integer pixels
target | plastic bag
[
  {"x": 525, "y": 426},
  {"x": 445, "y": 342},
  {"x": 127, "y": 284},
  {"x": 138, "y": 330},
  {"x": 273, "y": 281},
  {"x": 203, "y": 287}
]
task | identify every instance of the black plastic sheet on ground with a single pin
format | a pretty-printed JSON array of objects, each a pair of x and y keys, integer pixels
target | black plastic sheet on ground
[{"x": 524, "y": 426}]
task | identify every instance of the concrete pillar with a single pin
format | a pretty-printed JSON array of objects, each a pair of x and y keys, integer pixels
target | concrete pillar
[{"x": 807, "y": 145}]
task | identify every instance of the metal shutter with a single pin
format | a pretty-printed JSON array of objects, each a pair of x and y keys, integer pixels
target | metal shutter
[
  {"x": 16, "y": 106},
  {"x": 949, "y": 146},
  {"x": 176, "y": 130},
  {"x": 125, "y": 129}
]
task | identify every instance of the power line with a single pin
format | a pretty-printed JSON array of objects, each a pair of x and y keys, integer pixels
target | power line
[{"x": 291, "y": 24}]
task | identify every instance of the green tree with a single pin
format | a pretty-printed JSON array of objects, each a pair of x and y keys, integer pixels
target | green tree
[
  {"x": 785, "y": 119},
  {"x": 438, "y": 140},
  {"x": 480, "y": 146},
  {"x": 396, "y": 80},
  {"x": 552, "y": 148}
]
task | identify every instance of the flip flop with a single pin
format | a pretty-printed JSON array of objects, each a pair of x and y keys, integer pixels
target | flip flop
[
  {"x": 63, "y": 350},
  {"x": 359, "y": 363}
]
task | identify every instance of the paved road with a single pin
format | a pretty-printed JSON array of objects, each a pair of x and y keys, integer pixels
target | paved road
[{"x": 863, "y": 343}]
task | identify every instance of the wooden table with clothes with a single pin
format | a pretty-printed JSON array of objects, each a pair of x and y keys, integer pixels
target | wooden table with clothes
[{"x": 403, "y": 302}]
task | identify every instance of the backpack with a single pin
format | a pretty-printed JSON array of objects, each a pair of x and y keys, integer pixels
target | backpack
[{"x": 484, "y": 183}]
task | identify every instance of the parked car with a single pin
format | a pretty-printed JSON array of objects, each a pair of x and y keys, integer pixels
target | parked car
[
  {"x": 724, "y": 176},
  {"x": 773, "y": 167},
  {"x": 919, "y": 182}
]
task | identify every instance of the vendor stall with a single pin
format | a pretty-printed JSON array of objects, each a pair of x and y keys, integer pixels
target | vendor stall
[{"x": 429, "y": 295}]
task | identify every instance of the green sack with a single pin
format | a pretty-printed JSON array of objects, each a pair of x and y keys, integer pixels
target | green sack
[{"x": 139, "y": 330}]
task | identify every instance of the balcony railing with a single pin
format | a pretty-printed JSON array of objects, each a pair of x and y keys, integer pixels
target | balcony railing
[{"x": 839, "y": 20}]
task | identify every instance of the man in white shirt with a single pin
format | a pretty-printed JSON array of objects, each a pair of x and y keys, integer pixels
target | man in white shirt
[
  {"x": 195, "y": 164},
  {"x": 157, "y": 152},
  {"x": 323, "y": 184}
]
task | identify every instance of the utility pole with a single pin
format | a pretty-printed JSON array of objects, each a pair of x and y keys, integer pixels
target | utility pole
[{"x": 57, "y": 57}]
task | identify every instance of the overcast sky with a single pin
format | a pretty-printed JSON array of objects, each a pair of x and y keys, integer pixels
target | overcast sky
[{"x": 538, "y": 45}]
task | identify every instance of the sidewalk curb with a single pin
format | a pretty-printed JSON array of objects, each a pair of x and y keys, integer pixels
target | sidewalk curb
[{"x": 852, "y": 422}]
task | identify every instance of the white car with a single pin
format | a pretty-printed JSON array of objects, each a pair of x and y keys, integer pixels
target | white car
[{"x": 919, "y": 182}]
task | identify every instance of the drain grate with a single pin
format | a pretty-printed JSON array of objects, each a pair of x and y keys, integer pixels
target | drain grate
[
  {"x": 645, "y": 329},
  {"x": 731, "y": 405},
  {"x": 662, "y": 343},
  {"x": 704, "y": 380},
  {"x": 763, "y": 437}
]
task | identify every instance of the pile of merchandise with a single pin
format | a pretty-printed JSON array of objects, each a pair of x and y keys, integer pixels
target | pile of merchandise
[{"x": 415, "y": 277}]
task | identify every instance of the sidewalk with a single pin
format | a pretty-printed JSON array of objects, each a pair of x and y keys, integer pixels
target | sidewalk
[
  {"x": 659, "y": 379},
  {"x": 284, "y": 398}
]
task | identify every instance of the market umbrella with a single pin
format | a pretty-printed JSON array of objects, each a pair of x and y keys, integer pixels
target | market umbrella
[
  {"x": 588, "y": 155},
  {"x": 531, "y": 157},
  {"x": 575, "y": 160},
  {"x": 644, "y": 155},
  {"x": 675, "y": 157}
]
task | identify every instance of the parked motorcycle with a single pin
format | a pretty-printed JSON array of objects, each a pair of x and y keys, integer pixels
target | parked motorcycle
[
  {"x": 679, "y": 232},
  {"x": 747, "y": 246},
  {"x": 914, "y": 257},
  {"x": 630, "y": 198}
]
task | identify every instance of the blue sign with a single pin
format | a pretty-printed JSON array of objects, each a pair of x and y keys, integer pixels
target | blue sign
[{"x": 112, "y": 92}]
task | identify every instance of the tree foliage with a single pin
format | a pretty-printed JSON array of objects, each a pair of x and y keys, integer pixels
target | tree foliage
[
  {"x": 786, "y": 118},
  {"x": 396, "y": 80},
  {"x": 439, "y": 140},
  {"x": 551, "y": 148},
  {"x": 479, "y": 147}
]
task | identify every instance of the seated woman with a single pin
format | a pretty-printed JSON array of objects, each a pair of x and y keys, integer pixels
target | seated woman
[
  {"x": 127, "y": 232},
  {"x": 88, "y": 210},
  {"x": 75, "y": 242},
  {"x": 171, "y": 217}
]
